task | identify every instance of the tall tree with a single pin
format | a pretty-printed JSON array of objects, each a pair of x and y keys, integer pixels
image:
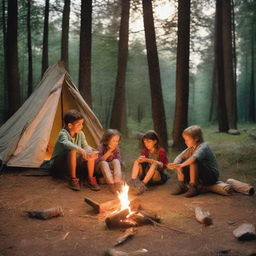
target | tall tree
[
  {"x": 230, "y": 89},
  {"x": 219, "y": 69},
  {"x": 45, "y": 61},
  {"x": 12, "y": 63},
  {"x": 29, "y": 45},
  {"x": 119, "y": 113},
  {"x": 85, "y": 51},
  {"x": 157, "y": 103},
  {"x": 182, "y": 73},
  {"x": 65, "y": 33}
]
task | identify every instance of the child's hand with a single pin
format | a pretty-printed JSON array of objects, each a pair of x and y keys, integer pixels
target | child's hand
[
  {"x": 141, "y": 159},
  {"x": 93, "y": 155},
  {"x": 172, "y": 166}
]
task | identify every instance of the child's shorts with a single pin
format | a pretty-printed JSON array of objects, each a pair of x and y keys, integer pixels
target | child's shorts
[
  {"x": 205, "y": 176},
  {"x": 145, "y": 168}
]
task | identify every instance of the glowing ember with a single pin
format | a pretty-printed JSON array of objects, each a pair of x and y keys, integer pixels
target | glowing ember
[{"x": 123, "y": 197}]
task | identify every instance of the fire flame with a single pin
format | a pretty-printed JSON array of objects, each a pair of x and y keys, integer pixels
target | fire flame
[{"x": 123, "y": 197}]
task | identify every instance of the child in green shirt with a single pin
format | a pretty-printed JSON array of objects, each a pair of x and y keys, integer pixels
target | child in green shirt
[{"x": 72, "y": 154}]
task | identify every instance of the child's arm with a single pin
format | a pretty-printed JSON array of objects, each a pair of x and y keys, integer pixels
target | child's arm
[{"x": 174, "y": 165}]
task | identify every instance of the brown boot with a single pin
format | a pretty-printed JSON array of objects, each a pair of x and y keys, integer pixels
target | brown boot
[
  {"x": 74, "y": 184},
  {"x": 179, "y": 188},
  {"x": 192, "y": 190},
  {"x": 92, "y": 184}
]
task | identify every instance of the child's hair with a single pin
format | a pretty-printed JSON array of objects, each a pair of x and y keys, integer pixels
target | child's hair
[
  {"x": 150, "y": 135},
  {"x": 108, "y": 134},
  {"x": 72, "y": 116},
  {"x": 195, "y": 132}
]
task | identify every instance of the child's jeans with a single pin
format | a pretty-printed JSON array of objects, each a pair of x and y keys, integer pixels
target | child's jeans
[{"x": 111, "y": 170}]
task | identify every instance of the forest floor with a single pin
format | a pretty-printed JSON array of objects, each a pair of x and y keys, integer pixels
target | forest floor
[{"x": 81, "y": 232}]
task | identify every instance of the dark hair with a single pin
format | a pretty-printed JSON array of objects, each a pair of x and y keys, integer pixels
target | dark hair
[
  {"x": 195, "y": 132},
  {"x": 72, "y": 116},
  {"x": 150, "y": 135},
  {"x": 108, "y": 134}
]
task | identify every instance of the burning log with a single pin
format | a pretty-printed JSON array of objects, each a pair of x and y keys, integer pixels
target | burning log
[
  {"x": 203, "y": 216},
  {"x": 119, "y": 220},
  {"x": 103, "y": 207},
  {"x": 130, "y": 232}
]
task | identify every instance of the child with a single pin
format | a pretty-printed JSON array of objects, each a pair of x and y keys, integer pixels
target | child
[
  {"x": 149, "y": 167},
  {"x": 72, "y": 153},
  {"x": 109, "y": 160},
  {"x": 195, "y": 165}
]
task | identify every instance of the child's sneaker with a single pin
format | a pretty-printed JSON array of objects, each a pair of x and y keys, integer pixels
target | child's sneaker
[
  {"x": 74, "y": 184},
  {"x": 92, "y": 184},
  {"x": 139, "y": 186},
  {"x": 179, "y": 188},
  {"x": 192, "y": 190}
]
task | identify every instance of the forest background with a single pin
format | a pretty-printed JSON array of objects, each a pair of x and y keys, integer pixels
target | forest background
[{"x": 140, "y": 65}]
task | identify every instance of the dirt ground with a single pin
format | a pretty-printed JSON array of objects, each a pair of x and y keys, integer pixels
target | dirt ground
[{"x": 82, "y": 232}]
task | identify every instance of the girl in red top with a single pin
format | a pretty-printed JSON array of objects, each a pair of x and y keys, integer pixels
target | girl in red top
[{"x": 148, "y": 169}]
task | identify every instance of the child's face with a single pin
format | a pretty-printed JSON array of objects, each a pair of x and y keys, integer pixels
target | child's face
[
  {"x": 189, "y": 141},
  {"x": 149, "y": 144},
  {"x": 114, "y": 141},
  {"x": 76, "y": 127}
]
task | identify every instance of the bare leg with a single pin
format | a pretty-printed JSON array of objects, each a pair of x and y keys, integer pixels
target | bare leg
[
  {"x": 90, "y": 166},
  {"x": 72, "y": 163},
  {"x": 180, "y": 174},
  {"x": 152, "y": 172},
  {"x": 193, "y": 172},
  {"x": 135, "y": 169}
]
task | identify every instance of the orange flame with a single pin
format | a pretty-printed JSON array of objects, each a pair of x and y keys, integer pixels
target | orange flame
[{"x": 123, "y": 197}]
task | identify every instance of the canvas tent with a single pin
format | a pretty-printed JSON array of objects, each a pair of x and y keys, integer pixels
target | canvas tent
[{"x": 28, "y": 137}]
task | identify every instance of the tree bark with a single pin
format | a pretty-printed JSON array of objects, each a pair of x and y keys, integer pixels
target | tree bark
[
  {"x": 230, "y": 95},
  {"x": 85, "y": 51},
  {"x": 157, "y": 103},
  {"x": 65, "y": 34},
  {"x": 30, "y": 61},
  {"x": 12, "y": 66},
  {"x": 222, "y": 111},
  {"x": 45, "y": 62},
  {"x": 182, "y": 74},
  {"x": 119, "y": 113}
]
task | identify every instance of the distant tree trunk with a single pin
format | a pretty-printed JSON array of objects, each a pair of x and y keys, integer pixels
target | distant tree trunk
[
  {"x": 157, "y": 103},
  {"x": 233, "y": 29},
  {"x": 85, "y": 51},
  {"x": 213, "y": 107},
  {"x": 5, "y": 114},
  {"x": 182, "y": 74},
  {"x": 220, "y": 86},
  {"x": 252, "y": 106},
  {"x": 119, "y": 113},
  {"x": 45, "y": 63},
  {"x": 228, "y": 65},
  {"x": 12, "y": 64},
  {"x": 30, "y": 63},
  {"x": 65, "y": 33}
]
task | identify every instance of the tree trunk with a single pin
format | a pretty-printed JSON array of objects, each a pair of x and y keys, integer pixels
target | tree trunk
[
  {"x": 222, "y": 111},
  {"x": 182, "y": 74},
  {"x": 65, "y": 33},
  {"x": 12, "y": 57},
  {"x": 252, "y": 106},
  {"x": 85, "y": 51},
  {"x": 119, "y": 113},
  {"x": 45, "y": 63},
  {"x": 30, "y": 63},
  {"x": 157, "y": 103},
  {"x": 230, "y": 90},
  {"x": 5, "y": 114}
]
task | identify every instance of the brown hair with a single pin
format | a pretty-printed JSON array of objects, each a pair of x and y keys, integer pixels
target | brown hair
[
  {"x": 195, "y": 132},
  {"x": 108, "y": 134},
  {"x": 72, "y": 116},
  {"x": 151, "y": 135}
]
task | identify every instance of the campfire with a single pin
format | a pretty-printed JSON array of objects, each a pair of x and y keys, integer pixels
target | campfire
[{"x": 123, "y": 213}]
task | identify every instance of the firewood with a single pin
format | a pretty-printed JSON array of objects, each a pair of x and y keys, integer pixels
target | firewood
[
  {"x": 47, "y": 213},
  {"x": 241, "y": 187},
  {"x": 130, "y": 232},
  {"x": 119, "y": 220},
  {"x": 221, "y": 188},
  {"x": 135, "y": 204},
  {"x": 103, "y": 207},
  {"x": 203, "y": 216},
  {"x": 245, "y": 232},
  {"x": 114, "y": 252}
]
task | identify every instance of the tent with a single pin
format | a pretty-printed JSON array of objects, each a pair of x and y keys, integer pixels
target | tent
[{"x": 28, "y": 137}]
